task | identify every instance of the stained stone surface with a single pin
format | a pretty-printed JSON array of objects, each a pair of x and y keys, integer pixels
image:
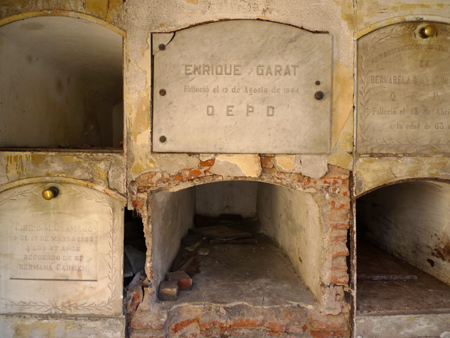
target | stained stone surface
[
  {"x": 61, "y": 256},
  {"x": 404, "y": 90},
  {"x": 242, "y": 87}
]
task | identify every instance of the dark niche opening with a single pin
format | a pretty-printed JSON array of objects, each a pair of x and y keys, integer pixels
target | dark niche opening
[
  {"x": 135, "y": 247},
  {"x": 403, "y": 249},
  {"x": 61, "y": 85},
  {"x": 279, "y": 262}
]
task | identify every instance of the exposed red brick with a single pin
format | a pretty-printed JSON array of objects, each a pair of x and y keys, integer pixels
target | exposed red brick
[
  {"x": 278, "y": 327},
  {"x": 266, "y": 163},
  {"x": 205, "y": 325},
  {"x": 181, "y": 325},
  {"x": 338, "y": 239},
  {"x": 138, "y": 204},
  {"x": 345, "y": 193},
  {"x": 339, "y": 277},
  {"x": 245, "y": 322},
  {"x": 142, "y": 190},
  {"x": 208, "y": 163},
  {"x": 339, "y": 249},
  {"x": 340, "y": 226},
  {"x": 270, "y": 171},
  {"x": 206, "y": 333},
  {"x": 194, "y": 174},
  {"x": 295, "y": 329},
  {"x": 321, "y": 322},
  {"x": 339, "y": 264},
  {"x": 339, "y": 215},
  {"x": 179, "y": 177},
  {"x": 329, "y": 334}
]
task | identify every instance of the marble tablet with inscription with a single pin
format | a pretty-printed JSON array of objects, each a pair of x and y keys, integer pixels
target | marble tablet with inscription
[
  {"x": 242, "y": 87},
  {"x": 404, "y": 89},
  {"x": 62, "y": 255}
]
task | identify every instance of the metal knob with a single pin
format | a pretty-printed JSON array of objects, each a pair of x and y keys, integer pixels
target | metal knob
[
  {"x": 428, "y": 31},
  {"x": 50, "y": 193}
]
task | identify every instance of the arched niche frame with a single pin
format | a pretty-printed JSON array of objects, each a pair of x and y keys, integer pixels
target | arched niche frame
[{"x": 62, "y": 82}]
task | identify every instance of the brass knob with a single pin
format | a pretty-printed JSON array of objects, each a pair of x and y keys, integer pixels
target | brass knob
[
  {"x": 428, "y": 31},
  {"x": 50, "y": 193}
]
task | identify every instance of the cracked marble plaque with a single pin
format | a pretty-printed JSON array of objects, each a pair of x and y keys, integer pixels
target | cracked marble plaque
[
  {"x": 62, "y": 255},
  {"x": 404, "y": 89},
  {"x": 242, "y": 87}
]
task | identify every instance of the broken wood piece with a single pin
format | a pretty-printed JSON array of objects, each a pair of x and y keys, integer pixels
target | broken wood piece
[
  {"x": 221, "y": 232},
  {"x": 168, "y": 291},
  {"x": 235, "y": 241},
  {"x": 387, "y": 277}
]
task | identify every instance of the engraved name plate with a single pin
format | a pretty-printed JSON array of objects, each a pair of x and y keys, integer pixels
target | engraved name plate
[
  {"x": 242, "y": 87},
  {"x": 54, "y": 246},
  {"x": 63, "y": 255},
  {"x": 404, "y": 89}
]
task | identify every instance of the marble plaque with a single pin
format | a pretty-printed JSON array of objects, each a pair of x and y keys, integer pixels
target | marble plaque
[
  {"x": 62, "y": 255},
  {"x": 404, "y": 89},
  {"x": 242, "y": 87}
]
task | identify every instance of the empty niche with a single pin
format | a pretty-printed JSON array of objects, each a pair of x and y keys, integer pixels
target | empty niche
[
  {"x": 61, "y": 84},
  {"x": 252, "y": 242},
  {"x": 403, "y": 249}
]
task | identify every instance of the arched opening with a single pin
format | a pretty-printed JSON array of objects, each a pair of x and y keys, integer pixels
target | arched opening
[
  {"x": 277, "y": 259},
  {"x": 61, "y": 84},
  {"x": 403, "y": 249}
]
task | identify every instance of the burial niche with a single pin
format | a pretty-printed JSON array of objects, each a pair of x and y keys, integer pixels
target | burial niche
[
  {"x": 239, "y": 241},
  {"x": 403, "y": 249},
  {"x": 61, "y": 84}
]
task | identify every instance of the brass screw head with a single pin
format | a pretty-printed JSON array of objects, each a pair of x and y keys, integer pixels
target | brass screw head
[
  {"x": 48, "y": 194},
  {"x": 428, "y": 31}
]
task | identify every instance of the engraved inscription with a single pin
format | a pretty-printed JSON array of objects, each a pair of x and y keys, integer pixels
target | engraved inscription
[
  {"x": 60, "y": 246},
  {"x": 404, "y": 91},
  {"x": 242, "y": 87}
]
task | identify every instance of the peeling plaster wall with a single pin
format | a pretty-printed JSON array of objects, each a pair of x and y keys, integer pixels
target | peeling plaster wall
[
  {"x": 292, "y": 219},
  {"x": 226, "y": 198},
  {"x": 412, "y": 221},
  {"x": 172, "y": 214}
]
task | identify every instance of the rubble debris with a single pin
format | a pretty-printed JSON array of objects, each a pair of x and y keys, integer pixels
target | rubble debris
[
  {"x": 221, "y": 232},
  {"x": 387, "y": 277},
  {"x": 204, "y": 251},
  {"x": 168, "y": 291},
  {"x": 182, "y": 278}
]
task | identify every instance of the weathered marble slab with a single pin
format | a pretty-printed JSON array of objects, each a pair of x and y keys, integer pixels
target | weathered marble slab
[
  {"x": 62, "y": 255},
  {"x": 242, "y": 87},
  {"x": 404, "y": 90}
]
